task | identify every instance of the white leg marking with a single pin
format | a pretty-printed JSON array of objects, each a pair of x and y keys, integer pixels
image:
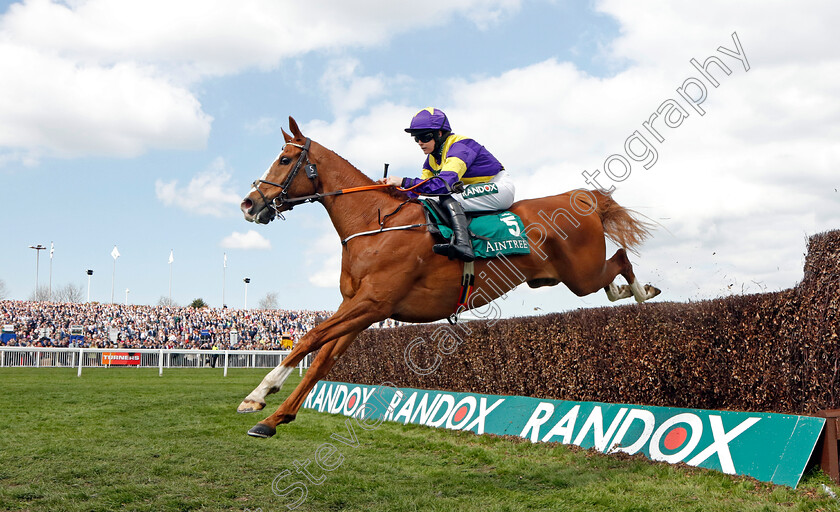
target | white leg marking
[
  {"x": 273, "y": 381},
  {"x": 616, "y": 292},
  {"x": 612, "y": 292},
  {"x": 639, "y": 292}
]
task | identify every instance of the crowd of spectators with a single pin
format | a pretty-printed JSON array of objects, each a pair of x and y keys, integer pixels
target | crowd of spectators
[{"x": 48, "y": 324}]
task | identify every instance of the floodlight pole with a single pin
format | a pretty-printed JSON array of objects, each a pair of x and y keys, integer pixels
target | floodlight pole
[
  {"x": 89, "y": 273},
  {"x": 113, "y": 278},
  {"x": 170, "y": 280},
  {"x": 51, "y": 257},
  {"x": 38, "y": 248},
  {"x": 247, "y": 280}
]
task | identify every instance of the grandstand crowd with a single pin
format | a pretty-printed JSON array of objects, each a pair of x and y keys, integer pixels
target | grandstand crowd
[{"x": 48, "y": 324}]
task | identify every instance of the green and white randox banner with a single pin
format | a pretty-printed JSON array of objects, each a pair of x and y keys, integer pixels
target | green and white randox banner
[{"x": 769, "y": 447}]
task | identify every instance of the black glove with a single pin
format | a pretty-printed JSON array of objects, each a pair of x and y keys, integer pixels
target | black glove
[{"x": 458, "y": 187}]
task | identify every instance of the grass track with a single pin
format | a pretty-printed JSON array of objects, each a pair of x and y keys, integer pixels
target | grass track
[{"x": 127, "y": 439}]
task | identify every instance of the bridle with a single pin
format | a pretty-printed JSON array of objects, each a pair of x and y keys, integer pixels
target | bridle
[{"x": 283, "y": 199}]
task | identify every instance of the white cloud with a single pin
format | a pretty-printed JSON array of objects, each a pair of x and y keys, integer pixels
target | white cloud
[
  {"x": 328, "y": 273},
  {"x": 347, "y": 91},
  {"x": 263, "y": 126},
  {"x": 352, "y": 137},
  {"x": 324, "y": 257},
  {"x": 218, "y": 36},
  {"x": 61, "y": 108},
  {"x": 208, "y": 192},
  {"x": 95, "y": 77},
  {"x": 250, "y": 240},
  {"x": 775, "y": 32}
]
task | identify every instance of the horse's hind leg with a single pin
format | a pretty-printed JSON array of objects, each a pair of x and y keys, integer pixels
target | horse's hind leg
[
  {"x": 625, "y": 268},
  {"x": 621, "y": 265},
  {"x": 615, "y": 292}
]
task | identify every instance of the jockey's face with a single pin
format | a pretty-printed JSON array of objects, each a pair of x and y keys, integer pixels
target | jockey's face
[{"x": 427, "y": 146}]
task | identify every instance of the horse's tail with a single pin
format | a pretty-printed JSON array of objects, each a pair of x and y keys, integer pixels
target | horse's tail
[{"x": 621, "y": 224}]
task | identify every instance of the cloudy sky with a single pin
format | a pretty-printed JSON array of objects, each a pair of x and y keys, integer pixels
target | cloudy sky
[{"x": 141, "y": 124}]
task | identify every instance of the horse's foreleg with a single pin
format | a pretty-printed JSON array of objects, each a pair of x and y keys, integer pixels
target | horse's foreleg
[
  {"x": 353, "y": 316},
  {"x": 321, "y": 366},
  {"x": 271, "y": 383},
  {"x": 255, "y": 401},
  {"x": 330, "y": 329}
]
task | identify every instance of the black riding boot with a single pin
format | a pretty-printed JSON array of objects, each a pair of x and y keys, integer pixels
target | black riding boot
[{"x": 459, "y": 246}]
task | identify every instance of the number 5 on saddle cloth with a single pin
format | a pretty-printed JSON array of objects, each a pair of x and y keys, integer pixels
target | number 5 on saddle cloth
[{"x": 492, "y": 233}]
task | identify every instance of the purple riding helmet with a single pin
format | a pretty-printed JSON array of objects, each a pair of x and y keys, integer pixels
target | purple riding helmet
[{"x": 429, "y": 119}]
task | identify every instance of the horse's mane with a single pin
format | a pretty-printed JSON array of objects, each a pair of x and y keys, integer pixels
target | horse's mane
[
  {"x": 400, "y": 196},
  {"x": 390, "y": 191}
]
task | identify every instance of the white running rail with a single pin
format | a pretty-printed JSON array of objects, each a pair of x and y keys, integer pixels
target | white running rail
[{"x": 42, "y": 357}]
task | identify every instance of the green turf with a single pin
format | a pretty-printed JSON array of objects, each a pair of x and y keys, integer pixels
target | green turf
[{"x": 127, "y": 439}]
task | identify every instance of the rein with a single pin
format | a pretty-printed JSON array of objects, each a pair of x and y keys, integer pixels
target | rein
[
  {"x": 312, "y": 173},
  {"x": 318, "y": 196}
]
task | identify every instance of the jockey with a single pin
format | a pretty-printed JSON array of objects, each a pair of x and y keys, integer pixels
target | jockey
[{"x": 457, "y": 161}]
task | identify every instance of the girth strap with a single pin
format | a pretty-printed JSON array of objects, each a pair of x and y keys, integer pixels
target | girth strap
[{"x": 467, "y": 283}]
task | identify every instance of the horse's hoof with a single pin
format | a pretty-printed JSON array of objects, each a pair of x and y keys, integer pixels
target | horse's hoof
[
  {"x": 262, "y": 430},
  {"x": 287, "y": 418},
  {"x": 250, "y": 406},
  {"x": 652, "y": 291}
]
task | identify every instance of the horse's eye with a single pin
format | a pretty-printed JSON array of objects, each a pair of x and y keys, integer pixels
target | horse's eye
[{"x": 284, "y": 160}]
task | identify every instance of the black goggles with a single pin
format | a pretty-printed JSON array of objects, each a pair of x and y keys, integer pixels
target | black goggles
[{"x": 424, "y": 137}]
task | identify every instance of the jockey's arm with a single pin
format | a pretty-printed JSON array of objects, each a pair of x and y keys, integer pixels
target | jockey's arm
[
  {"x": 451, "y": 172},
  {"x": 397, "y": 181}
]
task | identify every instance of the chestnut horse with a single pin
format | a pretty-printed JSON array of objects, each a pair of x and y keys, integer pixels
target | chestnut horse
[{"x": 395, "y": 274}]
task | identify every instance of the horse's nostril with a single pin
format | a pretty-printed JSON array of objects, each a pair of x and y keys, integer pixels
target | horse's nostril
[{"x": 246, "y": 204}]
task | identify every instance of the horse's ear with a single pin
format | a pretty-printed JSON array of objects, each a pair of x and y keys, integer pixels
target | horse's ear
[
  {"x": 294, "y": 127},
  {"x": 286, "y": 137}
]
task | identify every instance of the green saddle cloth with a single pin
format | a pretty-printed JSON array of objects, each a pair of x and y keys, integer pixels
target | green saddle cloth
[{"x": 493, "y": 234}]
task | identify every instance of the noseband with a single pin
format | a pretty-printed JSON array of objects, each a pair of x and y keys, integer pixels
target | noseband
[{"x": 283, "y": 199}]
